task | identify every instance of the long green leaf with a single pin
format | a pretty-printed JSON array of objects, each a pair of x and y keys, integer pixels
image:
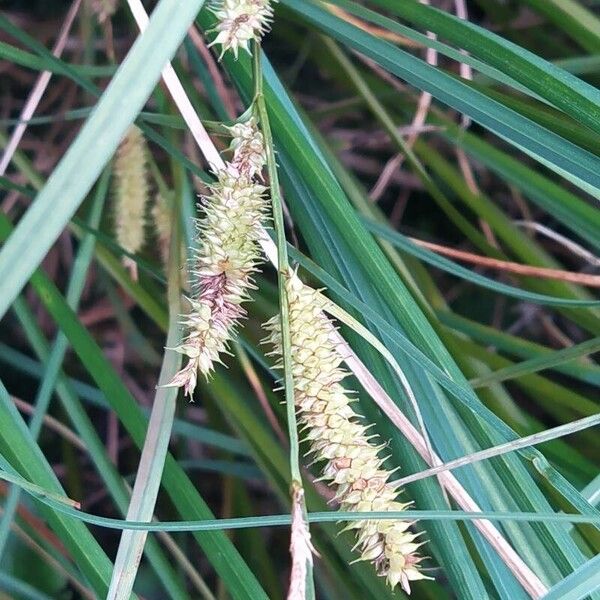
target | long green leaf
[
  {"x": 59, "y": 349},
  {"x": 401, "y": 241},
  {"x": 21, "y": 451},
  {"x": 65, "y": 390},
  {"x": 518, "y": 346},
  {"x": 558, "y": 154},
  {"x": 289, "y": 128},
  {"x": 574, "y": 18},
  {"x": 539, "y": 363},
  {"x": 574, "y": 96}
]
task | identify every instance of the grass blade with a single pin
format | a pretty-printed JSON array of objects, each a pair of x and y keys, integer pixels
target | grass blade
[
  {"x": 580, "y": 584},
  {"x": 539, "y": 363},
  {"x": 401, "y": 241},
  {"x": 551, "y": 150},
  {"x": 20, "y": 450},
  {"x": 156, "y": 444},
  {"x": 562, "y": 89},
  {"x": 59, "y": 348},
  {"x": 219, "y": 550}
]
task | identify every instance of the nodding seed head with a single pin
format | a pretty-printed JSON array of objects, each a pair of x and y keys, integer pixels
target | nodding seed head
[
  {"x": 227, "y": 257},
  {"x": 337, "y": 438}
]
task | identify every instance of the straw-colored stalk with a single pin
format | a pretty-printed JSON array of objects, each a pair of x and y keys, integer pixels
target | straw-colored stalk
[{"x": 301, "y": 548}]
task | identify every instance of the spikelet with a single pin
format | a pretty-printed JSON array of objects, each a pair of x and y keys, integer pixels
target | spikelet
[
  {"x": 131, "y": 192},
  {"x": 227, "y": 257},
  {"x": 240, "y": 22},
  {"x": 337, "y": 437}
]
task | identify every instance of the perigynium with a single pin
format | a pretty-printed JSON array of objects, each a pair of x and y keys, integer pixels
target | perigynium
[
  {"x": 240, "y": 22},
  {"x": 339, "y": 439},
  {"x": 227, "y": 256},
  {"x": 248, "y": 148},
  {"x": 131, "y": 193}
]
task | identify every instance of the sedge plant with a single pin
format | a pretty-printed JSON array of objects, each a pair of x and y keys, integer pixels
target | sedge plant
[{"x": 416, "y": 388}]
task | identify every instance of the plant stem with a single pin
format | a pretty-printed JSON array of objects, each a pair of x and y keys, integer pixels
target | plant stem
[
  {"x": 283, "y": 266},
  {"x": 283, "y": 272}
]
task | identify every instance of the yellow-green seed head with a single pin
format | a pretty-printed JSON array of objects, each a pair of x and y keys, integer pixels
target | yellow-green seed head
[
  {"x": 228, "y": 254},
  {"x": 337, "y": 437},
  {"x": 131, "y": 191}
]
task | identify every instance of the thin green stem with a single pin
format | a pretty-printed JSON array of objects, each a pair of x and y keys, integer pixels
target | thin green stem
[
  {"x": 283, "y": 267},
  {"x": 283, "y": 273},
  {"x": 329, "y": 516}
]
